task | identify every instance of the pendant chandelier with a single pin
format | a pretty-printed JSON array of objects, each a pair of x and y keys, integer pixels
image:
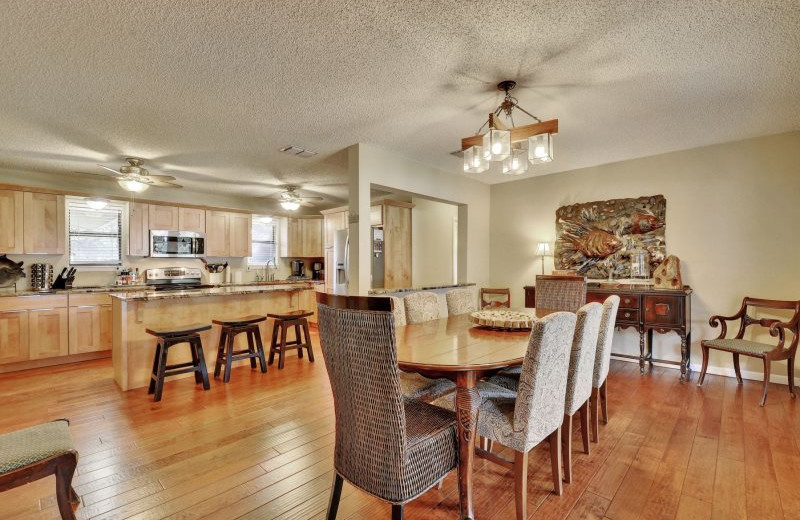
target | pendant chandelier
[{"x": 514, "y": 147}]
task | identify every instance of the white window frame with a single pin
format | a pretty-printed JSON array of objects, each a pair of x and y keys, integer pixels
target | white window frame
[
  {"x": 98, "y": 266},
  {"x": 253, "y": 266}
]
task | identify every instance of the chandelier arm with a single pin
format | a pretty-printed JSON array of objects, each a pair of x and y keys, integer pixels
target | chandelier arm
[
  {"x": 525, "y": 111},
  {"x": 482, "y": 126}
]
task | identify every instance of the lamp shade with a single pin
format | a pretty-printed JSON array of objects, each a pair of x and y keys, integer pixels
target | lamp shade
[
  {"x": 540, "y": 148},
  {"x": 516, "y": 163},
  {"x": 133, "y": 185},
  {"x": 496, "y": 144},
  {"x": 474, "y": 161},
  {"x": 543, "y": 249},
  {"x": 290, "y": 205}
]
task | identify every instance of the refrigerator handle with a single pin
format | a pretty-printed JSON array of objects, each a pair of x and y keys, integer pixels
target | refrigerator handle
[{"x": 347, "y": 261}]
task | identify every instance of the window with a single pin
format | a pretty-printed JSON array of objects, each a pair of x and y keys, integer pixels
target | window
[
  {"x": 95, "y": 235},
  {"x": 265, "y": 241}
]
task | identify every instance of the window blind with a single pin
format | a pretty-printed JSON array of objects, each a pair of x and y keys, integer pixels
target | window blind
[
  {"x": 95, "y": 235},
  {"x": 265, "y": 242}
]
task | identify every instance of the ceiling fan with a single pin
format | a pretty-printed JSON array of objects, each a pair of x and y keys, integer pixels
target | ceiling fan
[
  {"x": 136, "y": 178},
  {"x": 291, "y": 200}
]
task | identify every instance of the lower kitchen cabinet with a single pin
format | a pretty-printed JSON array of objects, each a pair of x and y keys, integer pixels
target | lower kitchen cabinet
[
  {"x": 89, "y": 328},
  {"x": 48, "y": 333},
  {"x": 13, "y": 336}
]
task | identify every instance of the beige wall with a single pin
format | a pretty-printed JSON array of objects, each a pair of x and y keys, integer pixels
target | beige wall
[
  {"x": 732, "y": 213},
  {"x": 432, "y": 242}
]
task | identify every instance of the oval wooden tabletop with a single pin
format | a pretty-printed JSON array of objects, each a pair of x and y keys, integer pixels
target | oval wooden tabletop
[{"x": 455, "y": 344}]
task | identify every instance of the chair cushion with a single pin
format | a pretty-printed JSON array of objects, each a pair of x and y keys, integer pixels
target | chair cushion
[
  {"x": 416, "y": 386},
  {"x": 740, "y": 345},
  {"x": 30, "y": 445}
]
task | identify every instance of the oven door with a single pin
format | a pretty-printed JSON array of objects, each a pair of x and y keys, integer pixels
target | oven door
[{"x": 176, "y": 244}]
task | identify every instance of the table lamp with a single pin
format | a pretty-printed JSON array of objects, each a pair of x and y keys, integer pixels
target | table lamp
[{"x": 543, "y": 250}]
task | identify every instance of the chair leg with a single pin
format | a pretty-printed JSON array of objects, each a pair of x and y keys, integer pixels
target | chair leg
[
  {"x": 521, "y": 483},
  {"x": 230, "y": 341},
  {"x": 65, "y": 470},
  {"x": 604, "y": 400},
  {"x": 282, "y": 353},
  {"x": 397, "y": 511},
  {"x": 555, "y": 461},
  {"x": 220, "y": 351},
  {"x": 584, "y": 411},
  {"x": 308, "y": 341},
  {"x": 201, "y": 361},
  {"x": 767, "y": 370},
  {"x": 260, "y": 349},
  {"x": 566, "y": 447},
  {"x": 595, "y": 406},
  {"x": 251, "y": 348},
  {"x": 790, "y": 374},
  {"x": 273, "y": 344},
  {"x": 736, "y": 368},
  {"x": 162, "y": 369},
  {"x": 74, "y": 499},
  {"x": 152, "y": 387},
  {"x": 336, "y": 494},
  {"x": 298, "y": 339},
  {"x": 195, "y": 362},
  {"x": 705, "y": 365}
]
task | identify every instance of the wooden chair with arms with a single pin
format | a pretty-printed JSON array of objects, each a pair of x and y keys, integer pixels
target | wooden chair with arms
[
  {"x": 495, "y": 303},
  {"x": 560, "y": 293},
  {"x": 764, "y": 351}
]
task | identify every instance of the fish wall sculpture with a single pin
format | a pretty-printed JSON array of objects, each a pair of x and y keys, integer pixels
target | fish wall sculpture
[
  {"x": 596, "y": 238},
  {"x": 10, "y": 271}
]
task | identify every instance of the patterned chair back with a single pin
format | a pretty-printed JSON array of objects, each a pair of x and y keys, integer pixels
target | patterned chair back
[
  {"x": 581, "y": 363},
  {"x": 399, "y": 311},
  {"x": 358, "y": 343},
  {"x": 560, "y": 293},
  {"x": 460, "y": 301},
  {"x": 421, "y": 306},
  {"x": 604, "y": 339},
  {"x": 539, "y": 409}
]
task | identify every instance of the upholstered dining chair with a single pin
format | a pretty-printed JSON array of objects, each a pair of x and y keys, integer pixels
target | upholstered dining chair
[
  {"x": 421, "y": 306},
  {"x": 601, "y": 365},
  {"x": 560, "y": 293},
  {"x": 521, "y": 420},
  {"x": 391, "y": 447},
  {"x": 399, "y": 311},
  {"x": 494, "y": 298},
  {"x": 460, "y": 301},
  {"x": 786, "y": 348}
]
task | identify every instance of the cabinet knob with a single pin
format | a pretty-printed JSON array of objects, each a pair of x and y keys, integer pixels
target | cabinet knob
[
  {"x": 627, "y": 314},
  {"x": 627, "y": 300}
]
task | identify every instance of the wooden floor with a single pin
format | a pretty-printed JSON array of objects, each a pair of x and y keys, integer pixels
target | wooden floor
[{"x": 261, "y": 447}]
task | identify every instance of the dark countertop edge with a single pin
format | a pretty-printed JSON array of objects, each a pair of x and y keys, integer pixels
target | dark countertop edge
[
  {"x": 138, "y": 296},
  {"x": 379, "y": 292},
  {"x": 136, "y": 288}
]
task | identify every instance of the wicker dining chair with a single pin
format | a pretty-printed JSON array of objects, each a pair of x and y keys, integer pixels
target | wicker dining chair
[
  {"x": 521, "y": 420},
  {"x": 391, "y": 447},
  {"x": 560, "y": 293},
  {"x": 421, "y": 306},
  {"x": 599, "y": 400},
  {"x": 460, "y": 301}
]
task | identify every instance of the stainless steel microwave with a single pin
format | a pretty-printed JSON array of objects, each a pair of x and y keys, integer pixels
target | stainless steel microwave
[{"x": 182, "y": 244}]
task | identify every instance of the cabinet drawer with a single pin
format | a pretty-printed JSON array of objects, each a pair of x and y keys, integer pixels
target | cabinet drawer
[
  {"x": 626, "y": 301},
  {"x": 20, "y": 303},
  {"x": 628, "y": 315},
  {"x": 81, "y": 299},
  {"x": 663, "y": 310}
]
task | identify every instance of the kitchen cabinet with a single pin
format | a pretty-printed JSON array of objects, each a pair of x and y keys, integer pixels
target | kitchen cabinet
[
  {"x": 192, "y": 219},
  {"x": 11, "y": 232},
  {"x": 138, "y": 229},
  {"x": 308, "y": 302},
  {"x": 312, "y": 237},
  {"x": 302, "y": 237},
  {"x": 330, "y": 270},
  {"x": 48, "y": 333},
  {"x": 89, "y": 323},
  {"x": 291, "y": 237},
  {"x": 376, "y": 215},
  {"x": 241, "y": 244},
  {"x": 43, "y": 223},
  {"x": 163, "y": 217},
  {"x": 217, "y": 233},
  {"x": 13, "y": 336},
  {"x": 334, "y": 220},
  {"x": 396, "y": 219}
]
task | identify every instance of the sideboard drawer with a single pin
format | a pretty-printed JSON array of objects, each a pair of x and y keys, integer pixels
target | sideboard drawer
[
  {"x": 663, "y": 310},
  {"x": 626, "y": 301},
  {"x": 628, "y": 316}
]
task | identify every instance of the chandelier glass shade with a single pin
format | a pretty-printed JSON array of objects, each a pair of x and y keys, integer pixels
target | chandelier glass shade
[
  {"x": 516, "y": 163},
  {"x": 474, "y": 160},
  {"x": 496, "y": 145},
  {"x": 133, "y": 185},
  {"x": 540, "y": 148}
]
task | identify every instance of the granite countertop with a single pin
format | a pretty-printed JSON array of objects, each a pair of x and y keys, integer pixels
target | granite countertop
[
  {"x": 216, "y": 291},
  {"x": 417, "y": 289}
]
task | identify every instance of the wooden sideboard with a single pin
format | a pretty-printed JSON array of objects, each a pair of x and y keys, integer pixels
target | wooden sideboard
[{"x": 647, "y": 310}]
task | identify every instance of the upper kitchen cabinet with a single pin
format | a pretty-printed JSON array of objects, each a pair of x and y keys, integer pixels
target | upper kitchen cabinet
[
  {"x": 164, "y": 217},
  {"x": 11, "y": 232},
  {"x": 217, "y": 233},
  {"x": 301, "y": 237},
  {"x": 241, "y": 244},
  {"x": 334, "y": 220},
  {"x": 43, "y": 223},
  {"x": 312, "y": 237},
  {"x": 138, "y": 229},
  {"x": 192, "y": 219},
  {"x": 396, "y": 224}
]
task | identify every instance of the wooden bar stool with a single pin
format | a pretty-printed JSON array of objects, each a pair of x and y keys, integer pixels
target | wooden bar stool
[
  {"x": 296, "y": 319},
  {"x": 227, "y": 339},
  {"x": 171, "y": 337}
]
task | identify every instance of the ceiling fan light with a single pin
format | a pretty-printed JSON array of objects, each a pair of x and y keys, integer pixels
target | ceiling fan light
[
  {"x": 290, "y": 205},
  {"x": 540, "y": 148},
  {"x": 496, "y": 144},
  {"x": 133, "y": 185},
  {"x": 474, "y": 161},
  {"x": 96, "y": 203}
]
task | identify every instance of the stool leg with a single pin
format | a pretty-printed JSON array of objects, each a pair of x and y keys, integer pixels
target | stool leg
[
  {"x": 152, "y": 387},
  {"x": 282, "y": 347},
  {"x": 162, "y": 368},
  {"x": 201, "y": 360},
  {"x": 220, "y": 351},
  {"x": 251, "y": 348},
  {"x": 228, "y": 357},
  {"x": 308, "y": 341},
  {"x": 273, "y": 344},
  {"x": 195, "y": 362},
  {"x": 260, "y": 348},
  {"x": 298, "y": 340}
]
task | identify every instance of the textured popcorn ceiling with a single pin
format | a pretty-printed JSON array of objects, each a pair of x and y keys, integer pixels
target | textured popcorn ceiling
[{"x": 209, "y": 91}]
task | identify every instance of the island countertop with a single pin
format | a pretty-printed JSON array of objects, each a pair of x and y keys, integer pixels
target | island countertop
[
  {"x": 376, "y": 292},
  {"x": 230, "y": 290}
]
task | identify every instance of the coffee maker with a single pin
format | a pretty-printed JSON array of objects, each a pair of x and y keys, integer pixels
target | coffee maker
[
  {"x": 298, "y": 269},
  {"x": 316, "y": 270}
]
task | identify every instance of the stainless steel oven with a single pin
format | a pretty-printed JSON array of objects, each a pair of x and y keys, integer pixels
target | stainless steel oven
[{"x": 182, "y": 244}]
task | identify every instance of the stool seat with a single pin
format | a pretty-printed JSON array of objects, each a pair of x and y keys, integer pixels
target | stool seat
[
  {"x": 239, "y": 322},
  {"x": 182, "y": 330},
  {"x": 291, "y": 315}
]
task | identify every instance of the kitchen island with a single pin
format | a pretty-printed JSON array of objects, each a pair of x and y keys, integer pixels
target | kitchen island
[{"x": 135, "y": 311}]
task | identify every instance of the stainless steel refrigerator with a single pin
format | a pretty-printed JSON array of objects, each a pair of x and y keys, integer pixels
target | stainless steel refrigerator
[
  {"x": 341, "y": 247},
  {"x": 377, "y": 258}
]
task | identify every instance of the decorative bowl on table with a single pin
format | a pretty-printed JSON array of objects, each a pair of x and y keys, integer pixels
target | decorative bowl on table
[{"x": 502, "y": 319}]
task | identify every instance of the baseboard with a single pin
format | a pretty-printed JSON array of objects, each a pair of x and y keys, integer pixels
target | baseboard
[{"x": 778, "y": 379}]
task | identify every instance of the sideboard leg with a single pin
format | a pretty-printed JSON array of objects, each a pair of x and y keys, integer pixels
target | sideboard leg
[
  {"x": 641, "y": 351},
  {"x": 684, "y": 357}
]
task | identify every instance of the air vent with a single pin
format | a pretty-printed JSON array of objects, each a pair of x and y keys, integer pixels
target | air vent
[{"x": 298, "y": 151}]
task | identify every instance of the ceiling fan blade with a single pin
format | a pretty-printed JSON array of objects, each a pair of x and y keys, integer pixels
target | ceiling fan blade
[
  {"x": 163, "y": 178},
  {"x": 163, "y": 184},
  {"x": 115, "y": 172},
  {"x": 306, "y": 204},
  {"x": 312, "y": 198},
  {"x": 101, "y": 175}
]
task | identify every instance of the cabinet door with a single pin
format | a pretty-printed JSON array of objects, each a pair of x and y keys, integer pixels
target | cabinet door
[
  {"x": 163, "y": 217},
  {"x": 84, "y": 329},
  {"x": 47, "y": 332},
  {"x": 106, "y": 326},
  {"x": 217, "y": 233},
  {"x": 312, "y": 237},
  {"x": 294, "y": 237},
  {"x": 13, "y": 336},
  {"x": 138, "y": 229},
  {"x": 376, "y": 215},
  {"x": 11, "y": 216},
  {"x": 397, "y": 247},
  {"x": 191, "y": 219},
  {"x": 333, "y": 222},
  {"x": 330, "y": 270},
  {"x": 43, "y": 223},
  {"x": 241, "y": 243}
]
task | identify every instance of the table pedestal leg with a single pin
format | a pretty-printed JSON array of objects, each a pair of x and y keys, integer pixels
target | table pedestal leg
[{"x": 467, "y": 401}]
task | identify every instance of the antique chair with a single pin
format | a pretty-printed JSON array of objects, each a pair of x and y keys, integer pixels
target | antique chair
[
  {"x": 521, "y": 420},
  {"x": 764, "y": 351},
  {"x": 493, "y": 301},
  {"x": 391, "y": 447},
  {"x": 460, "y": 301},
  {"x": 37, "y": 452},
  {"x": 601, "y": 364},
  {"x": 421, "y": 306},
  {"x": 399, "y": 311},
  {"x": 560, "y": 293}
]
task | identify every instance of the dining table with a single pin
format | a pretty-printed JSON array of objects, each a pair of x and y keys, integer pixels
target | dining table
[{"x": 456, "y": 349}]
